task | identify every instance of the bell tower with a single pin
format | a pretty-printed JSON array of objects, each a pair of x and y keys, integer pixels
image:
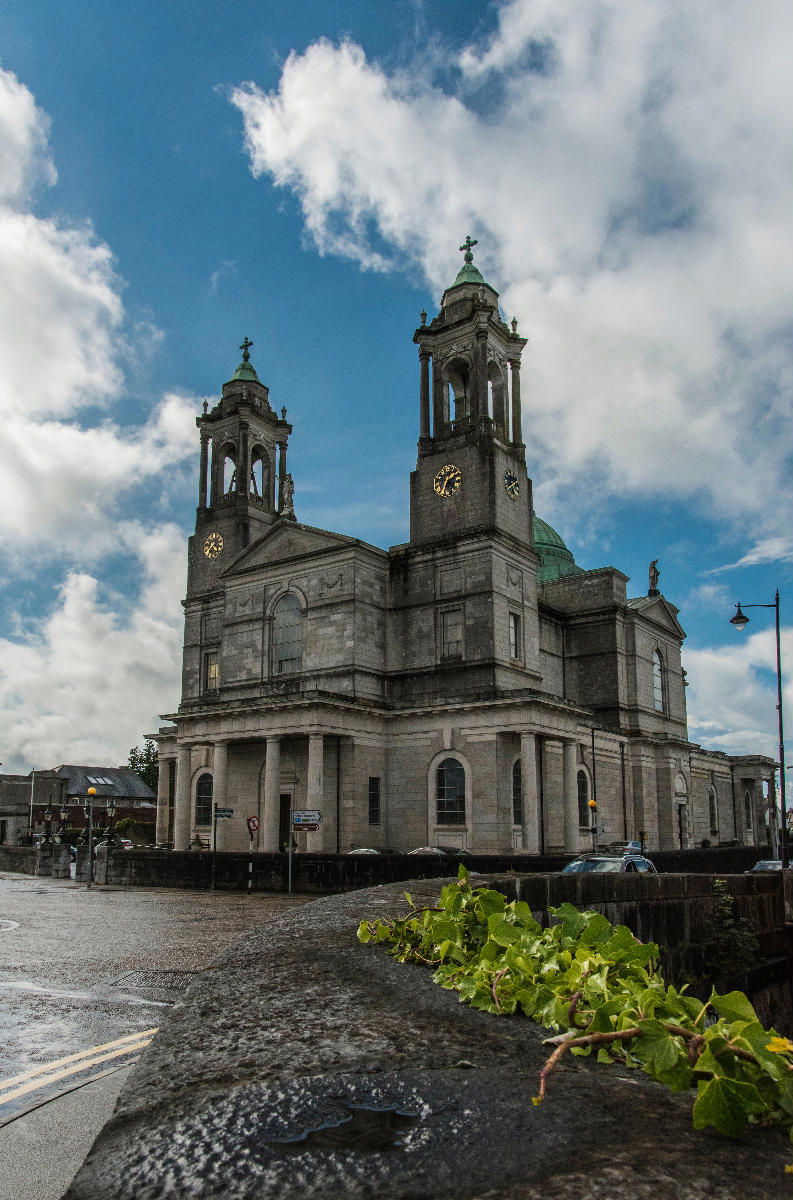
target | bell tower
[
  {"x": 471, "y": 468},
  {"x": 243, "y": 486}
]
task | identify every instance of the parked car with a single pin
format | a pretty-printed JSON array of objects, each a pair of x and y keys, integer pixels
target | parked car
[
  {"x": 450, "y": 851},
  {"x": 126, "y": 844},
  {"x": 612, "y": 863},
  {"x": 633, "y": 847},
  {"x": 765, "y": 864},
  {"x": 365, "y": 850}
]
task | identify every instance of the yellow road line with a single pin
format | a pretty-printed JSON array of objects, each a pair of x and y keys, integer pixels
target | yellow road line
[
  {"x": 70, "y": 1058},
  {"x": 74, "y": 1069}
]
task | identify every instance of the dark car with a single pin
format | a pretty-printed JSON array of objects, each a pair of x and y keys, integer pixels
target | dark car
[
  {"x": 450, "y": 851},
  {"x": 765, "y": 864},
  {"x": 611, "y": 863}
]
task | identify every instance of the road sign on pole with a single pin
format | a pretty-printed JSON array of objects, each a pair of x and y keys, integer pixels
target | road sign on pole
[
  {"x": 223, "y": 812},
  {"x": 302, "y": 817},
  {"x": 253, "y": 825}
]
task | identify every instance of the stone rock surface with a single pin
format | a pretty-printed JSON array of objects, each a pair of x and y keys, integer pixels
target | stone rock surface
[{"x": 299, "y": 1028}]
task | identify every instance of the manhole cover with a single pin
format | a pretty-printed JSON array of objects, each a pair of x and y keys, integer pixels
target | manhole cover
[
  {"x": 169, "y": 981},
  {"x": 6, "y": 925}
]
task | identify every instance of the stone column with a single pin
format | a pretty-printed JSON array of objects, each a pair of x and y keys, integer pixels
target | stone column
[
  {"x": 243, "y": 465},
  {"x": 424, "y": 407},
  {"x": 281, "y": 478},
  {"x": 220, "y": 760},
  {"x": 268, "y": 836},
  {"x": 202, "y": 478},
  {"x": 570, "y": 792},
  {"x": 479, "y": 397},
  {"x": 315, "y": 798},
  {"x": 529, "y": 794},
  {"x": 517, "y": 435},
  {"x": 163, "y": 782},
  {"x": 181, "y": 816},
  {"x": 439, "y": 419}
]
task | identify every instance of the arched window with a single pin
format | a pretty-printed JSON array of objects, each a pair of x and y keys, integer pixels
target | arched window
[
  {"x": 457, "y": 376},
  {"x": 287, "y": 635},
  {"x": 658, "y": 682},
  {"x": 713, "y": 810},
  {"x": 517, "y": 793},
  {"x": 583, "y": 798},
  {"x": 203, "y": 800},
  {"x": 229, "y": 472},
  {"x": 747, "y": 809},
  {"x": 450, "y": 792}
]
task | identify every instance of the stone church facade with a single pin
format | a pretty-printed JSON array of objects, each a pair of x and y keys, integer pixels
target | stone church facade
[{"x": 472, "y": 688}]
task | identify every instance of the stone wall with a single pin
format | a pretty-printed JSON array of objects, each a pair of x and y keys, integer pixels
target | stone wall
[{"x": 20, "y": 859}]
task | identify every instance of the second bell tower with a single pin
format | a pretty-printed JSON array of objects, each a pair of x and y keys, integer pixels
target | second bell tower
[{"x": 471, "y": 468}]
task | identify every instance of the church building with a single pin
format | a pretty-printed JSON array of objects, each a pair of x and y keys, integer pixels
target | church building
[{"x": 472, "y": 688}]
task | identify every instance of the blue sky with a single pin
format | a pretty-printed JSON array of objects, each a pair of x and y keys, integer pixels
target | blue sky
[{"x": 176, "y": 176}]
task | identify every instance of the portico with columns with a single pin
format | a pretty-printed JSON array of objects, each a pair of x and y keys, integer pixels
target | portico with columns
[{"x": 473, "y": 687}]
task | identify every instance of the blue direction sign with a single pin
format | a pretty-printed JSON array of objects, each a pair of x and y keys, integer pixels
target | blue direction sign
[{"x": 301, "y": 817}]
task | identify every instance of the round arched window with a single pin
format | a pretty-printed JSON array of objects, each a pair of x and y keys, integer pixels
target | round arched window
[
  {"x": 287, "y": 635},
  {"x": 583, "y": 798},
  {"x": 450, "y": 792},
  {"x": 517, "y": 796},
  {"x": 203, "y": 800}
]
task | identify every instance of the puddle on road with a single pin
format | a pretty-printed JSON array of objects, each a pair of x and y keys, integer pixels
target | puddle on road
[
  {"x": 363, "y": 1130},
  {"x": 6, "y": 926},
  {"x": 33, "y": 989}
]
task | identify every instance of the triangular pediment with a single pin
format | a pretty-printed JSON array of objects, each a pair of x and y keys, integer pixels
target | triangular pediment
[
  {"x": 658, "y": 610},
  {"x": 285, "y": 541}
]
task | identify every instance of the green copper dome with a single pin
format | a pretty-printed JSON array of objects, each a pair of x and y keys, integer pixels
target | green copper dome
[
  {"x": 469, "y": 273},
  {"x": 557, "y": 560}
]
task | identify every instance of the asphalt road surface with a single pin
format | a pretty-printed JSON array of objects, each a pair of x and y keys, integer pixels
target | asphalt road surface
[{"x": 86, "y": 978}]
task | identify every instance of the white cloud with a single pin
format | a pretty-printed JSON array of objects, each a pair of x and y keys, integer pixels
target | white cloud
[
  {"x": 767, "y": 550},
  {"x": 732, "y": 696},
  {"x": 631, "y": 196},
  {"x": 86, "y": 684}
]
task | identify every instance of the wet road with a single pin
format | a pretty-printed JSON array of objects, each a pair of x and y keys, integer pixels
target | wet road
[{"x": 85, "y": 979}]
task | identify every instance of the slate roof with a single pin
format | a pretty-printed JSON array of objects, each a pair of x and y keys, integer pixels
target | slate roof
[{"x": 108, "y": 781}]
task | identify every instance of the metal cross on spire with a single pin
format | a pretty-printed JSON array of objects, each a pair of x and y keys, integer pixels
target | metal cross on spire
[
  {"x": 246, "y": 342},
  {"x": 469, "y": 242}
]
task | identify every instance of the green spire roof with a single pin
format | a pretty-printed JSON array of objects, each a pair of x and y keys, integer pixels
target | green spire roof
[
  {"x": 245, "y": 371},
  {"x": 468, "y": 273},
  {"x": 557, "y": 560}
]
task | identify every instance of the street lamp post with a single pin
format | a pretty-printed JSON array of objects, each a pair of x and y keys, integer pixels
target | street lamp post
[
  {"x": 740, "y": 621},
  {"x": 592, "y": 805},
  {"x": 111, "y": 816},
  {"x": 89, "y": 814}
]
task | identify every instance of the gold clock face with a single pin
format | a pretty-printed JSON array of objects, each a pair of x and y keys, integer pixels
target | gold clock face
[
  {"x": 511, "y": 485},
  {"x": 213, "y": 545},
  {"x": 448, "y": 480}
]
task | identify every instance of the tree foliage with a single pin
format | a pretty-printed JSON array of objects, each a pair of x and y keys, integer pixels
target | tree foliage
[
  {"x": 599, "y": 988},
  {"x": 143, "y": 761}
]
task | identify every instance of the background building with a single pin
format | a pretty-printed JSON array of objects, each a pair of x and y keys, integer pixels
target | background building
[
  {"x": 26, "y": 799},
  {"x": 472, "y": 687}
]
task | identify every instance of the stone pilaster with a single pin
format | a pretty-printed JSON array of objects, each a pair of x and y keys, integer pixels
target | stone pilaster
[
  {"x": 181, "y": 818},
  {"x": 268, "y": 838},
  {"x": 219, "y": 776},
  {"x": 202, "y": 478},
  {"x": 163, "y": 782},
  {"x": 529, "y": 795},
  {"x": 570, "y": 790},
  {"x": 517, "y": 434},
  {"x": 424, "y": 408},
  {"x": 316, "y": 782}
]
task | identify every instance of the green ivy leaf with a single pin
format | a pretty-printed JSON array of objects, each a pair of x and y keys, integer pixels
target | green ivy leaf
[
  {"x": 735, "y": 1006},
  {"x": 502, "y": 933},
  {"x": 656, "y": 1048},
  {"x": 726, "y": 1104}
]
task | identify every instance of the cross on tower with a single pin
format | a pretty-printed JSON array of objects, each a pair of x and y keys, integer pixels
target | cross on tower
[
  {"x": 246, "y": 342},
  {"x": 469, "y": 242}
]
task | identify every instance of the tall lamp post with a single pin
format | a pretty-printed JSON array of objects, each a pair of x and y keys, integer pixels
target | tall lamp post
[
  {"x": 89, "y": 816},
  {"x": 740, "y": 621}
]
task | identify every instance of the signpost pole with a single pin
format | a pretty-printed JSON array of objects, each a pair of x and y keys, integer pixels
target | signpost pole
[
  {"x": 291, "y": 835},
  {"x": 250, "y": 862},
  {"x": 214, "y": 843}
]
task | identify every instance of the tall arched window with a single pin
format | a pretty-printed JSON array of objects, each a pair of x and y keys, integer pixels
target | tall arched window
[
  {"x": 658, "y": 682},
  {"x": 713, "y": 810},
  {"x": 229, "y": 471},
  {"x": 450, "y": 792},
  {"x": 517, "y": 793},
  {"x": 203, "y": 800},
  {"x": 287, "y": 635},
  {"x": 583, "y": 798}
]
